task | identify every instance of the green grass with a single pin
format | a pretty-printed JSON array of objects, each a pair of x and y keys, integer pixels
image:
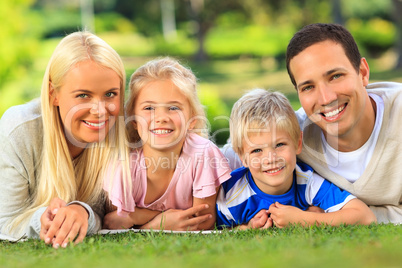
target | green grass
[{"x": 350, "y": 246}]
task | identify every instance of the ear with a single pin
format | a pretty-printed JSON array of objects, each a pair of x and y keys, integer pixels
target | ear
[
  {"x": 134, "y": 125},
  {"x": 192, "y": 124},
  {"x": 53, "y": 95},
  {"x": 300, "y": 143},
  {"x": 244, "y": 160},
  {"x": 364, "y": 71}
]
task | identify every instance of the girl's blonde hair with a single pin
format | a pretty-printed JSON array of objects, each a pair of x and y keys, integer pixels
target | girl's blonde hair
[
  {"x": 60, "y": 175},
  {"x": 166, "y": 68},
  {"x": 260, "y": 109}
]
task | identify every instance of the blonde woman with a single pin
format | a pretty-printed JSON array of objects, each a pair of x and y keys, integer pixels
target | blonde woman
[{"x": 53, "y": 150}]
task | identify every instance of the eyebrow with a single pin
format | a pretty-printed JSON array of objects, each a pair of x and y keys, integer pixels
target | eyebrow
[
  {"x": 154, "y": 102},
  {"x": 89, "y": 91},
  {"x": 327, "y": 73}
]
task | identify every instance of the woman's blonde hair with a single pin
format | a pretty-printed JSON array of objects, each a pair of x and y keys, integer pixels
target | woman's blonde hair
[
  {"x": 60, "y": 175},
  {"x": 166, "y": 68},
  {"x": 260, "y": 109}
]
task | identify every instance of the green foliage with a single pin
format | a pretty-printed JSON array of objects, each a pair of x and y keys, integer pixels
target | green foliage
[
  {"x": 112, "y": 21},
  {"x": 375, "y": 35},
  {"x": 217, "y": 114},
  {"x": 182, "y": 46},
  {"x": 345, "y": 246},
  {"x": 367, "y": 9},
  {"x": 18, "y": 39},
  {"x": 252, "y": 40},
  {"x": 63, "y": 21}
]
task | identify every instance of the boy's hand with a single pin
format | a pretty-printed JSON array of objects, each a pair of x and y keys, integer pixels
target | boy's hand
[
  {"x": 261, "y": 220},
  {"x": 282, "y": 215}
]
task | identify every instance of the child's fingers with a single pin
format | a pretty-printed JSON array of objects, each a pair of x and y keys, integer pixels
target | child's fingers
[
  {"x": 194, "y": 210},
  {"x": 268, "y": 224},
  {"x": 193, "y": 223}
]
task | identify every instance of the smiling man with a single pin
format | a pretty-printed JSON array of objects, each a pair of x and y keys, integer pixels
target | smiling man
[{"x": 351, "y": 128}]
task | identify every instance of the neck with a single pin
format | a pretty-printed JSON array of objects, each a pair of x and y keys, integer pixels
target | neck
[
  {"x": 75, "y": 151},
  {"x": 160, "y": 160},
  {"x": 359, "y": 134}
]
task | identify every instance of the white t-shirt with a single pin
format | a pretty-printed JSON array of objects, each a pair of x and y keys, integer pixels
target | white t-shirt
[{"x": 351, "y": 165}]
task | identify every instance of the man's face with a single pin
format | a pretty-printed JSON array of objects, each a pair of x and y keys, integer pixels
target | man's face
[{"x": 330, "y": 90}]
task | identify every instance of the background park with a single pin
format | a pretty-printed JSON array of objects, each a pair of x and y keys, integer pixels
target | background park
[{"x": 232, "y": 46}]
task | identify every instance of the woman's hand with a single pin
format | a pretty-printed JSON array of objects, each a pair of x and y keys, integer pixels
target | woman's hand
[
  {"x": 61, "y": 224},
  {"x": 49, "y": 214}
]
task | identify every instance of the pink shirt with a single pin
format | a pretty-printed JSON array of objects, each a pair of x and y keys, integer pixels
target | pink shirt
[{"x": 201, "y": 168}]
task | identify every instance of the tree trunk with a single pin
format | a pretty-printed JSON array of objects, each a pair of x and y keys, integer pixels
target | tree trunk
[{"x": 337, "y": 12}]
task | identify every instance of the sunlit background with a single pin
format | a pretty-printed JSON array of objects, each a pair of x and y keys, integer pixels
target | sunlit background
[{"x": 231, "y": 45}]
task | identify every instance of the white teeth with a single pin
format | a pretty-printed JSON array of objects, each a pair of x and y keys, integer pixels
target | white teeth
[
  {"x": 334, "y": 112},
  {"x": 95, "y": 125},
  {"x": 161, "y": 131},
  {"x": 273, "y": 171}
]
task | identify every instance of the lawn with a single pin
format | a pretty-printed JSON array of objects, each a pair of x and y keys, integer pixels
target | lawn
[{"x": 345, "y": 246}]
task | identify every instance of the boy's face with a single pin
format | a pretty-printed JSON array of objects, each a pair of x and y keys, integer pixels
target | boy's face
[
  {"x": 270, "y": 154},
  {"x": 330, "y": 90}
]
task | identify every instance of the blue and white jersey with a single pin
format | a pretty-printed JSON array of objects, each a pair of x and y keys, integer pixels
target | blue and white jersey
[{"x": 239, "y": 198}]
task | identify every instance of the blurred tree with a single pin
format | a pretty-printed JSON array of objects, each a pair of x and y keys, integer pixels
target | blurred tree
[
  {"x": 337, "y": 12},
  {"x": 17, "y": 39},
  {"x": 398, "y": 22}
]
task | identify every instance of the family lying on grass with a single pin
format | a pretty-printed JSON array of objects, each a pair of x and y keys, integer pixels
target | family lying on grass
[{"x": 67, "y": 170}]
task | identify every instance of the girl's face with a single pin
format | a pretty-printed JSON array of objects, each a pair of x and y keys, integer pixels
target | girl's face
[
  {"x": 88, "y": 103},
  {"x": 162, "y": 116}
]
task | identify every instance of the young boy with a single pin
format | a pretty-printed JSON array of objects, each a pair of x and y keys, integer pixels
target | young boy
[{"x": 271, "y": 188}]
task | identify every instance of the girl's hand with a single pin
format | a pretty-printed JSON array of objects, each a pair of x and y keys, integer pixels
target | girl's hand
[
  {"x": 179, "y": 220},
  {"x": 70, "y": 223},
  {"x": 114, "y": 221},
  {"x": 282, "y": 215}
]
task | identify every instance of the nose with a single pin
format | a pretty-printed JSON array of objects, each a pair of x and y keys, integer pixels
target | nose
[
  {"x": 326, "y": 95},
  {"x": 161, "y": 115},
  {"x": 98, "y": 108},
  {"x": 269, "y": 157}
]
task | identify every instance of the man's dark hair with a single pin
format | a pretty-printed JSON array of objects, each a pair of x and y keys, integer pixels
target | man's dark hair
[{"x": 319, "y": 32}]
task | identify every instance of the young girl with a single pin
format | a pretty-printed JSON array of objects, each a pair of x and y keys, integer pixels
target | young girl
[{"x": 175, "y": 172}]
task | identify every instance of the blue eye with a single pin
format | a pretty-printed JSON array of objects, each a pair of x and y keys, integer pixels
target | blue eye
[
  {"x": 256, "y": 151},
  {"x": 148, "y": 108},
  {"x": 174, "y": 108},
  {"x": 280, "y": 145}
]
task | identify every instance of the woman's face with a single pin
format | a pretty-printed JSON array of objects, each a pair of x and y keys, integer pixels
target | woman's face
[{"x": 88, "y": 103}]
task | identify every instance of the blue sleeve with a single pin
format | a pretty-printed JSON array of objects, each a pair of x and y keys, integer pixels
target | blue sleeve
[
  {"x": 330, "y": 197},
  {"x": 221, "y": 220}
]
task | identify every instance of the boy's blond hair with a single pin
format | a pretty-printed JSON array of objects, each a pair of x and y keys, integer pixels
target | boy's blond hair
[{"x": 260, "y": 109}]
